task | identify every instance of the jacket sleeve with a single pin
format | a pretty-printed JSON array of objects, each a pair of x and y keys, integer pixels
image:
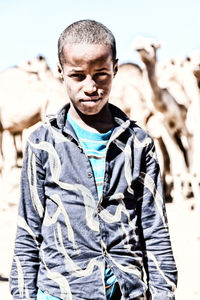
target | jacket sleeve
[
  {"x": 159, "y": 261},
  {"x": 23, "y": 276}
]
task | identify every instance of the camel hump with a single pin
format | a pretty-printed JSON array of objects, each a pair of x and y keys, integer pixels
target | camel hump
[{"x": 129, "y": 66}]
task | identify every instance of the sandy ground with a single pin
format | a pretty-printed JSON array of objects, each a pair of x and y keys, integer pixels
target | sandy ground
[{"x": 185, "y": 237}]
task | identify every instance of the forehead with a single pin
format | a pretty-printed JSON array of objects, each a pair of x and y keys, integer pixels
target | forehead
[{"x": 78, "y": 54}]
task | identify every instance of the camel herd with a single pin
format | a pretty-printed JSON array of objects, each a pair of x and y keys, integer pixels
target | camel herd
[
  {"x": 27, "y": 93},
  {"x": 163, "y": 97}
]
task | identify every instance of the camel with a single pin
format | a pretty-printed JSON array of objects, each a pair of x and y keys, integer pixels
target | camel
[
  {"x": 27, "y": 93},
  {"x": 171, "y": 114},
  {"x": 193, "y": 59},
  {"x": 130, "y": 92},
  {"x": 191, "y": 80},
  {"x": 182, "y": 79},
  {"x": 169, "y": 74},
  {"x": 186, "y": 74},
  {"x": 162, "y": 100}
]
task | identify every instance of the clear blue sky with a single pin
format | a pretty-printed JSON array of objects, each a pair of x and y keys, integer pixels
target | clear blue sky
[{"x": 32, "y": 27}]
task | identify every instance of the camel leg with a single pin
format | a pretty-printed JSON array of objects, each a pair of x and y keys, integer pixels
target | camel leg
[
  {"x": 1, "y": 147},
  {"x": 195, "y": 173},
  {"x": 162, "y": 143},
  {"x": 178, "y": 166},
  {"x": 166, "y": 178},
  {"x": 1, "y": 151},
  {"x": 10, "y": 175},
  {"x": 17, "y": 140},
  {"x": 182, "y": 148}
]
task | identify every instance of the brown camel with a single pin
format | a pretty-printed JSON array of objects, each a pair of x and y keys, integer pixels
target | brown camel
[
  {"x": 191, "y": 80},
  {"x": 171, "y": 113},
  {"x": 130, "y": 92},
  {"x": 27, "y": 93}
]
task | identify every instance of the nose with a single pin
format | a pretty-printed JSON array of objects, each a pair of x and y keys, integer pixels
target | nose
[{"x": 89, "y": 85}]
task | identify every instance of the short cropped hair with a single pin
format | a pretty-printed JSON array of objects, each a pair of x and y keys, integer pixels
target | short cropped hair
[{"x": 89, "y": 32}]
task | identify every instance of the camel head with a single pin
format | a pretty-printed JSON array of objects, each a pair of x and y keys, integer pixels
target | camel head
[
  {"x": 37, "y": 65},
  {"x": 193, "y": 61},
  {"x": 168, "y": 70},
  {"x": 147, "y": 48}
]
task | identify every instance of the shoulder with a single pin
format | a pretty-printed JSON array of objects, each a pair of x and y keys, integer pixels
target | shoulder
[
  {"x": 141, "y": 137},
  {"x": 43, "y": 136},
  {"x": 40, "y": 133}
]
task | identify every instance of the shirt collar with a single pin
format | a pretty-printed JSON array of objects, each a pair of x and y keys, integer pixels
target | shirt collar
[{"x": 120, "y": 118}]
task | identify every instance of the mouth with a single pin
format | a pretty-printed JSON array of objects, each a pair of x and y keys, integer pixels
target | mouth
[{"x": 91, "y": 99}]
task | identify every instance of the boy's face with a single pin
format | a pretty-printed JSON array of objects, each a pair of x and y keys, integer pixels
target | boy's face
[{"x": 88, "y": 71}]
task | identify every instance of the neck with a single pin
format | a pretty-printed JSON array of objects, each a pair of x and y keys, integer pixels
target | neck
[
  {"x": 151, "y": 71},
  {"x": 157, "y": 91},
  {"x": 101, "y": 122}
]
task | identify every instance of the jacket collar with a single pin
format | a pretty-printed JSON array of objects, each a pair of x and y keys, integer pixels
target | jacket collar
[
  {"x": 121, "y": 120},
  {"x": 119, "y": 116}
]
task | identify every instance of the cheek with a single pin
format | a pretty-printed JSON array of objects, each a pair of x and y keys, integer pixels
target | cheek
[
  {"x": 106, "y": 86},
  {"x": 70, "y": 88},
  {"x": 107, "y": 89}
]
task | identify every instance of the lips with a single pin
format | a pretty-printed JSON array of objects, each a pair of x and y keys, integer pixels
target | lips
[{"x": 91, "y": 99}]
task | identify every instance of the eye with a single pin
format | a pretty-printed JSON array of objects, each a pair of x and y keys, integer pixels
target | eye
[
  {"x": 78, "y": 76},
  {"x": 101, "y": 76}
]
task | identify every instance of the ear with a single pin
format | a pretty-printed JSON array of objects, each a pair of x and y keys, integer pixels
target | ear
[
  {"x": 60, "y": 70},
  {"x": 115, "y": 67}
]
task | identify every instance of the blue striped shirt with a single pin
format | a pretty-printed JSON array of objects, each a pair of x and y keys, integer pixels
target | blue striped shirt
[{"x": 94, "y": 145}]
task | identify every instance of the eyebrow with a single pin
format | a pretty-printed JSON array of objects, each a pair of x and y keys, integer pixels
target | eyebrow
[
  {"x": 80, "y": 71},
  {"x": 102, "y": 69},
  {"x": 75, "y": 70}
]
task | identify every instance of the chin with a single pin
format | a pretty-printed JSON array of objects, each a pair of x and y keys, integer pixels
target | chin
[{"x": 91, "y": 113}]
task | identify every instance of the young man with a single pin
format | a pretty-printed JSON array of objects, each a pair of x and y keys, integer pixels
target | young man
[{"x": 92, "y": 222}]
